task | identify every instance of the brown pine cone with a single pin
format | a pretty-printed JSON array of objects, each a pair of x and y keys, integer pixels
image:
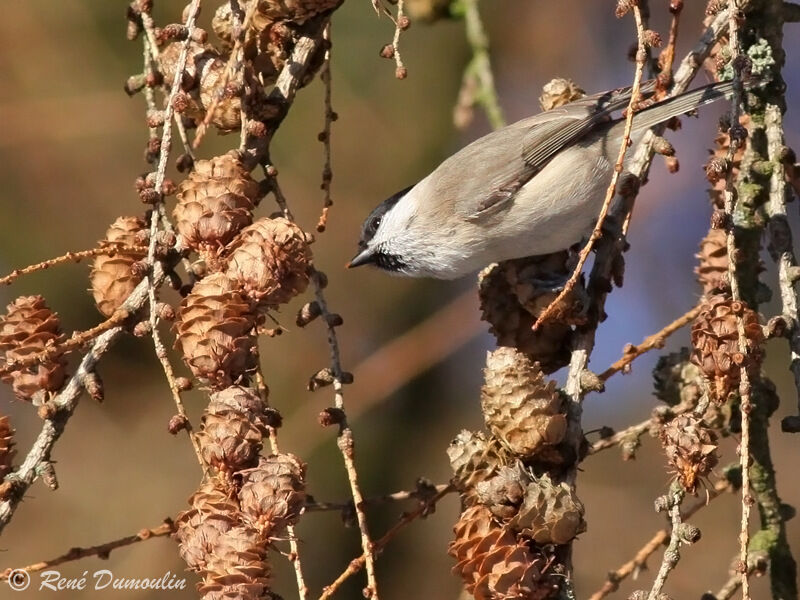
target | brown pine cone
[
  {"x": 691, "y": 447},
  {"x": 202, "y": 77},
  {"x": 229, "y": 441},
  {"x": 111, "y": 276},
  {"x": 27, "y": 329},
  {"x": 521, "y": 409},
  {"x": 237, "y": 566},
  {"x": 213, "y": 512},
  {"x": 493, "y": 564},
  {"x": 270, "y": 261},
  {"x": 238, "y": 399},
  {"x": 503, "y": 493},
  {"x": 514, "y": 293},
  {"x": 715, "y": 343},
  {"x": 273, "y": 494},
  {"x": 558, "y": 92},
  {"x": 7, "y": 451},
  {"x": 550, "y": 513},
  {"x": 475, "y": 458},
  {"x": 712, "y": 267},
  {"x": 214, "y": 203},
  {"x": 214, "y": 332}
]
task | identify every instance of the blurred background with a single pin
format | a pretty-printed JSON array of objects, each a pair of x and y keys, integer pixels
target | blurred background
[{"x": 71, "y": 146}]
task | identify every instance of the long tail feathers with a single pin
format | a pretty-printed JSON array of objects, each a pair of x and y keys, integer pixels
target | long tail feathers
[{"x": 679, "y": 105}]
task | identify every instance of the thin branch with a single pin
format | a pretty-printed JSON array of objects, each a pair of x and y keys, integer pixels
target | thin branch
[
  {"x": 102, "y": 551},
  {"x": 111, "y": 249},
  {"x": 234, "y": 65},
  {"x": 17, "y": 483},
  {"x": 294, "y": 547},
  {"x": 400, "y": 360},
  {"x": 781, "y": 246},
  {"x": 744, "y": 383},
  {"x": 656, "y": 340},
  {"x": 418, "y": 494},
  {"x": 345, "y": 441},
  {"x": 672, "y": 554},
  {"x": 631, "y": 434},
  {"x": 641, "y": 56},
  {"x": 639, "y": 561},
  {"x": 78, "y": 339},
  {"x": 400, "y": 68},
  {"x": 325, "y": 135},
  {"x": 358, "y": 563}
]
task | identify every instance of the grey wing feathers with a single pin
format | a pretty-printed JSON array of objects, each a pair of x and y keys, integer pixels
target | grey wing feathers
[
  {"x": 546, "y": 134},
  {"x": 571, "y": 122}
]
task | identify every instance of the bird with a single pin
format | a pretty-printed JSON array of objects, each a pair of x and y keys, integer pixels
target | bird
[{"x": 530, "y": 188}]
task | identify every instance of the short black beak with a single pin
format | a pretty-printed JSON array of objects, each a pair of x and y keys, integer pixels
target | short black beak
[{"x": 364, "y": 257}]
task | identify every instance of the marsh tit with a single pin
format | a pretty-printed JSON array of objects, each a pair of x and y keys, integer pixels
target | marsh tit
[{"x": 533, "y": 187}]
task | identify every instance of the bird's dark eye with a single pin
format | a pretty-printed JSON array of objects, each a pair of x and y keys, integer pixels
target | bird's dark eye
[{"x": 375, "y": 223}]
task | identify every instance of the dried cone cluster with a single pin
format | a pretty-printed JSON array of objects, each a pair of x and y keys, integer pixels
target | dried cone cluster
[
  {"x": 510, "y": 523},
  {"x": 550, "y": 513},
  {"x": 270, "y": 260},
  {"x": 270, "y": 36},
  {"x": 717, "y": 167},
  {"x": 712, "y": 265},
  {"x": 715, "y": 343},
  {"x": 201, "y": 81},
  {"x": 232, "y": 430},
  {"x": 558, "y": 92},
  {"x": 230, "y": 556},
  {"x": 214, "y": 332},
  {"x": 28, "y": 329},
  {"x": 235, "y": 514},
  {"x": 521, "y": 408},
  {"x": 515, "y": 292},
  {"x": 7, "y": 451},
  {"x": 112, "y": 278},
  {"x": 690, "y": 446},
  {"x": 475, "y": 458},
  {"x": 215, "y": 202},
  {"x": 273, "y": 494},
  {"x": 494, "y": 564}
]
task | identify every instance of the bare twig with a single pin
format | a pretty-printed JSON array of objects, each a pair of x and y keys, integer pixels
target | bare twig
[
  {"x": 656, "y": 340},
  {"x": 101, "y": 550},
  {"x": 77, "y": 340},
  {"x": 158, "y": 215},
  {"x": 641, "y": 56},
  {"x": 744, "y": 383},
  {"x": 234, "y": 65},
  {"x": 781, "y": 246},
  {"x": 672, "y": 554},
  {"x": 390, "y": 367},
  {"x": 399, "y": 25},
  {"x": 346, "y": 443},
  {"x": 417, "y": 494},
  {"x": 111, "y": 249},
  {"x": 325, "y": 135},
  {"x": 358, "y": 563},
  {"x": 639, "y": 561},
  {"x": 294, "y": 547},
  {"x": 17, "y": 483}
]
